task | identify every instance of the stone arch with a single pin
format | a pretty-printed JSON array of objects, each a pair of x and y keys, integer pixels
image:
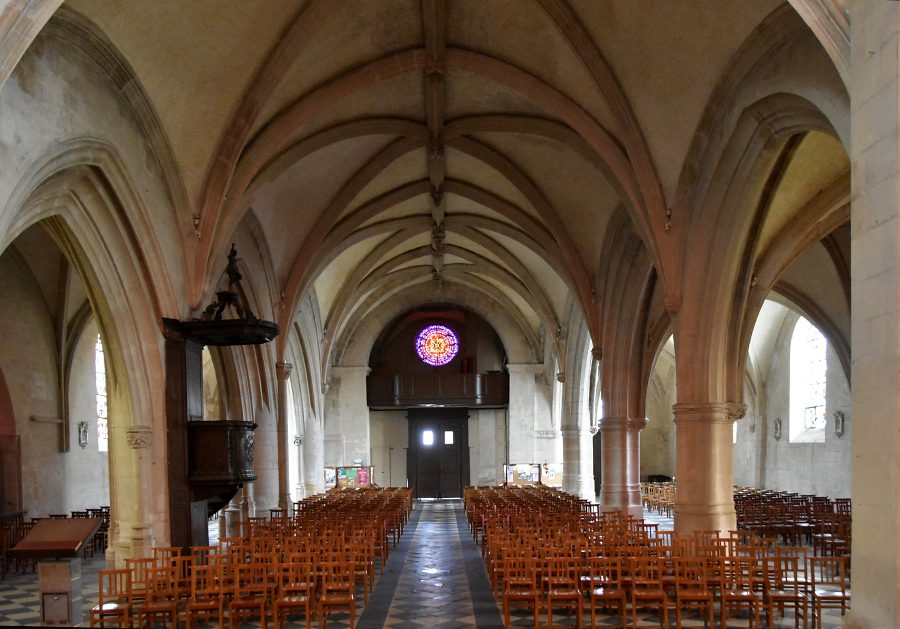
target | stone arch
[
  {"x": 727, "y": 224},
  {"x": 20, "y": 23},
  {"x": 354, "y": 351},
  {"x": 78, "y": 196}
]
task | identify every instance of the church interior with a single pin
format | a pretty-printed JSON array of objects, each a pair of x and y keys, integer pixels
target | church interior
[{"x": 601, "y": 243}]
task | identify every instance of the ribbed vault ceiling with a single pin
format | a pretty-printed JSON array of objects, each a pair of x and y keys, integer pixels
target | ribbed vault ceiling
[{"x": 399, "y": 143}]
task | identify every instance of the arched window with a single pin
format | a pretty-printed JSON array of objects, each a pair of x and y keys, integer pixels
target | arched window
[
  {"x": 807, "y": 377},
  {"x": 102, "y": 407}
]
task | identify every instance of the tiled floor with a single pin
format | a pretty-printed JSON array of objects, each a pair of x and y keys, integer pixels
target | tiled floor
[{"x": 434, "y": 579}]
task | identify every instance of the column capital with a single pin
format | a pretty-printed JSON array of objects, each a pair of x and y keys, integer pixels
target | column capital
[
  {"x": 139, "y": 436},
  {"x": 623, "y": 423},
  {"x": 709, "y": 412},
  {"x": 283, "y": 370}
]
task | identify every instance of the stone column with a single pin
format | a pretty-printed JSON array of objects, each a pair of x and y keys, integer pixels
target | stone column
[
  {"x": 313, "y": 457},
  {"x": 620, "y": 448},
  {"x": 131, "y": 493},
  {"x": 283, "y": 370},
  {"x": 266, "y": 488},
  {"x": 875, "y": 335},
  {"x": 301, "y": 471},
  {"x": 578, "y": 459},
  {"x": 703, "y": 466},
  {"x": 230, "y": 520},
  {"x": 353, "y": 411}
]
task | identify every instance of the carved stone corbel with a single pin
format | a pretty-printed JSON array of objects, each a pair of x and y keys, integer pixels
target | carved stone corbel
[{"x": 139, "y": 437}]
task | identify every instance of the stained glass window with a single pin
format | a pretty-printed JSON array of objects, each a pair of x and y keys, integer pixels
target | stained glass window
[{"x": 437, "y": 345}]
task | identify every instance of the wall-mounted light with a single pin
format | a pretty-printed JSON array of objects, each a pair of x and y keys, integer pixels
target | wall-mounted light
[{"x": 839, "y": 423}]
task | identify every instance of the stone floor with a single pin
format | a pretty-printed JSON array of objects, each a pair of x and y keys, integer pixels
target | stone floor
[{"x": 434, "y": 579}]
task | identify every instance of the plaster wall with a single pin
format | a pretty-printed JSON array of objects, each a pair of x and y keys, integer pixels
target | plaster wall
[
  {"x": 347, "y": 440},
  {"x": 52, "y": 481},
  {"x": 748, "y": 447},
  {"x": 487, "y": 446},
  {"x": 313, "y": 458},
  {"x": 26, "y": 357},
  {"x": 390, "y": 438},
  {"x": 658, "y": 438},
  {"x": 808, "y": 468},
  {"x": 86, "y": 470}
]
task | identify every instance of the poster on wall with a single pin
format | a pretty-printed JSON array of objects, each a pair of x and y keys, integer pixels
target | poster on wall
[
  {"x": 551, "y": 474},
  {"x": 330, "y": 477},
  {"x": 362, "y": 478}
]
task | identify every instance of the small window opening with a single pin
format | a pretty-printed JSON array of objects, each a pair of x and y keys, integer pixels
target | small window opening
[{"x": 808, "y": 383}]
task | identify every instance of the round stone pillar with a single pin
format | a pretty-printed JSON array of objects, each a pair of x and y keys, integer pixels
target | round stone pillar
[
  {"x": 578, "y": 443},
  {"x": 283, "y": 370},
  {"x": 620, "y": 447},
  {"x": 703, "y": 466},
  {"x": 578, "y": 477}
]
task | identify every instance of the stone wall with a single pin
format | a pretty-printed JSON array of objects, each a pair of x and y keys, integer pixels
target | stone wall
[
  {"x": 52, "y": 481},
  {"x": 807, "y": 468}
]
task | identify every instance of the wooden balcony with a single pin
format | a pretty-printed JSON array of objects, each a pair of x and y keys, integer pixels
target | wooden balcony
[{"x": 473, "y": 390}]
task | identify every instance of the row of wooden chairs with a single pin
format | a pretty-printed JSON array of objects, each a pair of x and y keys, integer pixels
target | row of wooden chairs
[
  {"x": 615, "y": 561},
  {"x": 267, "y": 590},
  {"x": 311, "y": 563},
  {"x": 819, "y": 521}
]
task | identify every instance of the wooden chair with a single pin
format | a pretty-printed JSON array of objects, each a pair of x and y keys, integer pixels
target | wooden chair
[
  {"x": 141, "y": 569},
  {"x": 739, "y": 589},
  {"x": 251, "y": 593},
  {"x": 520, "y": 585},
  {"x": 828, "y": 586},
  {"x": 364, "y": 565},
  {"x": 606, "y": 587},
  {"x": 647, "y": 588},
  {"x": 783, "y": 588},
  {"x": 692, "y": 589},
  {"x": 562, "y": 586},
  {"x": 165, "y": 554},
  {"x": 295, "y": 592},
  {"x": 113, "y": 605},
  {"x": 206, "y": 596},
  {"x": 338, "y": 585},
  {"x": 161, "y": 601},
  {"x": 802, "y": 555}
]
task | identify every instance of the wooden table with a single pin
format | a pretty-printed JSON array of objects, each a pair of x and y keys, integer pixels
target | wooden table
[
  {"x": 53, "y": 539},
  {"x": 58, "y": 544}
]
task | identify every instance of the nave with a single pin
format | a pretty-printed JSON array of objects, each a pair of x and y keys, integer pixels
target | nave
[{"x": 434, "y": 577}]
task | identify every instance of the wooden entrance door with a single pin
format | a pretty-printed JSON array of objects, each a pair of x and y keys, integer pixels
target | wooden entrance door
[{"x": 438, "y": 452}]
